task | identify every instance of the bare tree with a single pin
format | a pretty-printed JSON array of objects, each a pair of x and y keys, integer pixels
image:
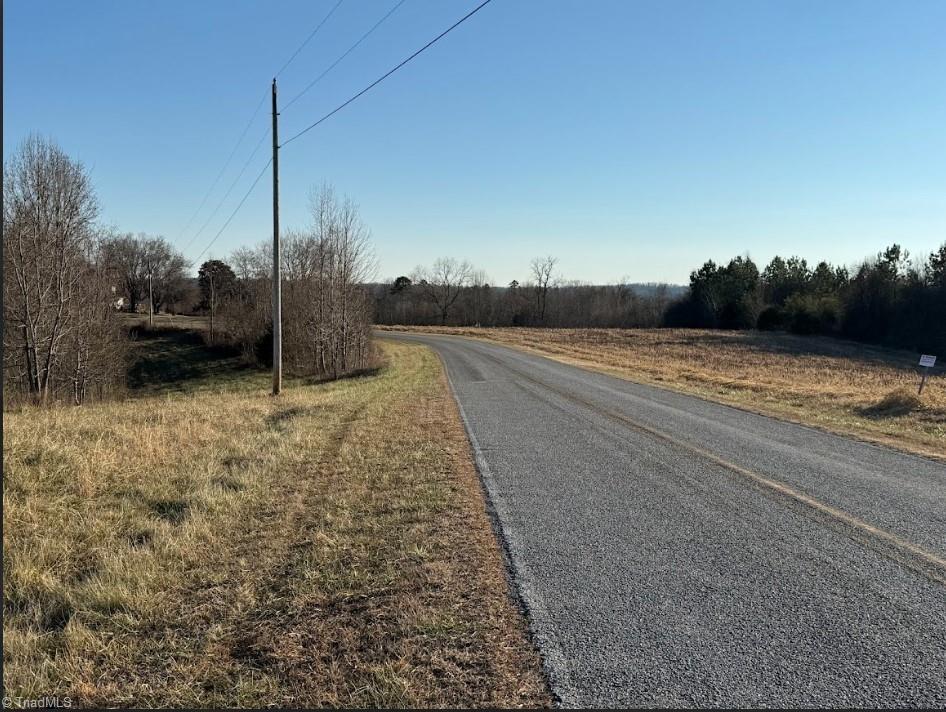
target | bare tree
[
  {"x": 166, "y": 271},
  {"x": 246, "y": 314},
  {"x": 443, "y": 283},
  {"x": 97, "y": 356},
  {"x": 60, "y": 330},
  {"x": 326, "y": 312},
  {"x": 149, "y": 267},
  {"x": 299, "y": 255},
  {"x": 248, "y": 263},
  {"x": 125, "y": 258},
  {"x": 343, "y": 260},
  {"x": 542, "y": 268}
]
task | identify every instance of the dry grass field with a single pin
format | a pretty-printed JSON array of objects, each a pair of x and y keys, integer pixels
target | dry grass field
[
  {"x": 855, "y": 389},
  {"x": 213, "y": 546}
]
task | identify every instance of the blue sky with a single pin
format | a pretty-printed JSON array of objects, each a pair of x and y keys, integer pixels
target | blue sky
[{"x": 630, "y": 139}]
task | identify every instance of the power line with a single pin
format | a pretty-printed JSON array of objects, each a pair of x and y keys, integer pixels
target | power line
[
  {"x": 227, "y": 194},
  {"x": 334, "y": 111},
  {"x": 223, "y": 170},
  {"x": 390, "y": 72},
  {"x": 347, "y": 52},
  {"x": 309, "y": 38},
  {"x": 235, "y": 211},
  {"x": 239, "y": 142}
]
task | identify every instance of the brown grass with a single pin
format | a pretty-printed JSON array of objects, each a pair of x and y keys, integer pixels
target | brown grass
[
  {"x": 845, "y": 387},
  {"x": 219, "y": 547}
]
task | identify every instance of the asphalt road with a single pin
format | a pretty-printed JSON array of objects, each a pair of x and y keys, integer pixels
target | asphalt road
[{"x": 675, "y": 552}]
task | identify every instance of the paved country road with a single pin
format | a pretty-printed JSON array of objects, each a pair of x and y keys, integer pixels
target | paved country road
[{"x": 675, "y": 552}]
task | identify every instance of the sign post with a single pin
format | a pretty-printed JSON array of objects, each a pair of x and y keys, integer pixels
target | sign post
[{"x": 927, "y": 362}]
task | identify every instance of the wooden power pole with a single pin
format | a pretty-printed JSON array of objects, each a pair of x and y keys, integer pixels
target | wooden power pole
[
  {"x": 277, "y": 277},
  {"x": 150, "y": 300},
  {"x": 213, "y": 304}
]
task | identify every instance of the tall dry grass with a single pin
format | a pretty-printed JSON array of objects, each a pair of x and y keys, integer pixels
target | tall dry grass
[{"x": 219, "y": 547}]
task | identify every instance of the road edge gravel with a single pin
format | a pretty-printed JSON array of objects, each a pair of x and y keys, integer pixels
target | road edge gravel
[{"x": 528, "y": 602}]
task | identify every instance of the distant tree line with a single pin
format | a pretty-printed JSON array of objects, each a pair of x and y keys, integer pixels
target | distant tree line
[
  {"x": 66, "y": 278},
  {"x": 888, "y": 299},
  {"x": 454, "y": 293}
]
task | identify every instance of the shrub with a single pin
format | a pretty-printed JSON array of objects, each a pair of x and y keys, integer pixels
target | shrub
[
  {"x": 738, "y": 314},
  {"x": 898, "y": 402},
  {"x": 812, "y": 314},
  {"x": 771, "y": 319},
  {"x": 689, "y": 311}
]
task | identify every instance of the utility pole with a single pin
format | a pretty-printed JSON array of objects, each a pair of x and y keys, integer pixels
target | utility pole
[
  {"x": 213, "y": 303},
  {"x": 150, "y": 301},
  {"x": 277, "y": 277}
]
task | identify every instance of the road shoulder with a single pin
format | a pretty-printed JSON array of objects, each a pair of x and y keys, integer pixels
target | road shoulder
[{"x": 327, "y": 548}]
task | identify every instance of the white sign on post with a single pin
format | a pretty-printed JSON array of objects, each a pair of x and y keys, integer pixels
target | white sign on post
[{"x": 927, "y": 361}]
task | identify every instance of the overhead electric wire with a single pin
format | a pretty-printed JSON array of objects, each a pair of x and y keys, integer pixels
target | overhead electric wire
[
  {"x": 309, "y": 38},
  {"x": 389, "y": 72},
  {"x": 235, "y": 211},
  {"x": 223, "y": 170},
  {"x": 239, "y": 142},
  {"x": 347, "y": 52},
  {"x": 229, "y": 190},
  {"x": 336, "y": 109}
]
